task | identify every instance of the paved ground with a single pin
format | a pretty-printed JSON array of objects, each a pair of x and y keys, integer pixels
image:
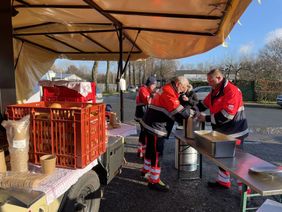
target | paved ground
[{"x": 127, "y": 192}]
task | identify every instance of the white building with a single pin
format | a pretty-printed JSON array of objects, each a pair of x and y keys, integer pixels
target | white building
[
  {"x": 198, "y": 75},
  {"x": 193, "y": 75}
]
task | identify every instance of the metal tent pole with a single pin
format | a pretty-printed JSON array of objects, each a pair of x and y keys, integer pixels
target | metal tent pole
[
  {"x": 120, "y": 71},
  {"x": 7, "y": 79}
]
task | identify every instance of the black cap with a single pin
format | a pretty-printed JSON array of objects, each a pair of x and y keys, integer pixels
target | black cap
[{"x": 151, "y": 80}]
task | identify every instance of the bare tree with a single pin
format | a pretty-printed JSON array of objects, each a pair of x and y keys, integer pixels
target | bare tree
[
  {"x": 165, "y": 69},
  {"x": 57, "y": 69},
  {"x": 140, "y": 70},
  {"x": 134, "y": 73},
  {"x": 145, "y": 71},
  {"x": 125, "y": 73},
  {"x": 249, "y": 70},
  {"x": 95, "y": 71},
  {"x": 129, "y": 73},
  {"x": 270, "y": 59},
  {"x": 107, "y": 76}
]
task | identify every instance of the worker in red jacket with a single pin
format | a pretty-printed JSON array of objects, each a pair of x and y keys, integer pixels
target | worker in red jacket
[
  {"x": 143, "y": 98},
  {"x": 158, "y": 121},
  {"x": 227, "y": 115}
]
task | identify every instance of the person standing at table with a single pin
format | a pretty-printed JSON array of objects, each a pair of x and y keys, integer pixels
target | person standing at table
[
  {"x": 227, "y": 115},
  {"x": 189, "y": 98},
  {"x": 143, "y": 98},
  {"x": 158, "y": 121}
]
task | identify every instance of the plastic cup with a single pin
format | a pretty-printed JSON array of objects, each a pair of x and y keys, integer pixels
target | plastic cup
[
  {"x": 3, "y": 167},
  {"x": 48, "y": 164}
]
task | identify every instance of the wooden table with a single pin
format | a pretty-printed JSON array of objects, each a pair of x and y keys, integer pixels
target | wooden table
[{"x": 238, "y": 166}]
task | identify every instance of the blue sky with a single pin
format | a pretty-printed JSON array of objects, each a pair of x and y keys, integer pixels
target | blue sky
[{"x": 259, "y": 24}]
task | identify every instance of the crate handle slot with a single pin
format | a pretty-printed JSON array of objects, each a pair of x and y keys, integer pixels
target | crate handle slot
[
  {"x": 42, "y": 115},
  {"x": 94, "y": 113}
]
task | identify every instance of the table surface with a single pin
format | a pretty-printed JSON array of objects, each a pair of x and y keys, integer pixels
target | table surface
[
  {"x": 238, "y": 166},
  {"x": 124, "y": 130},
  {"x": 62, "y": 179}
]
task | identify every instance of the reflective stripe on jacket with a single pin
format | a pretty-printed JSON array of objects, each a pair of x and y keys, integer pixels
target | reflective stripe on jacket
[
  {"x": 227, "y": 110},
  {"x": 142, "y": 102},
  {"x": 164, "y": 109}
]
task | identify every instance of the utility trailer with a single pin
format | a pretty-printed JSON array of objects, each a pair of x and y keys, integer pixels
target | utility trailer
[{"x": 72, "y": 190}]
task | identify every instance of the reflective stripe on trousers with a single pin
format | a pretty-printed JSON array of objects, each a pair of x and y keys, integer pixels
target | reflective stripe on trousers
[
  {"x": 152, "y": 155},
  {"x": 155, "y": 175},
  {"x": 223, "y": 177}
]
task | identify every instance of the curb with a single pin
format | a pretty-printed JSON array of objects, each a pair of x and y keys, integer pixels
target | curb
[{"x": 262, "y": 105}]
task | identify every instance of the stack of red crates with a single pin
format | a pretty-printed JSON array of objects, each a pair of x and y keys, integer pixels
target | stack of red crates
[
  {"x": 64, "y": 94},
  {"x": 75, "y": 133}
]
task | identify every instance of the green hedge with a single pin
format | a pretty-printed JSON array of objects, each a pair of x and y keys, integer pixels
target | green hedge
[{"x": 267, "y": 90}]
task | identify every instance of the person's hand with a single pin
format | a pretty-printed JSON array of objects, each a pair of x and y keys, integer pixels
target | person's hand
[
  {"x": 185, "y": 98},
  {"x": 192, "y": 113},
  {"x": 201, "y": 117}
]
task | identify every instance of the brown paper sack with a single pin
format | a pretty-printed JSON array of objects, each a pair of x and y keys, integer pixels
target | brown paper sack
[
  {"x": 113, "y": 120},
  {"x": 48, "y": 164},
  {"x": 3, "y": 167},
  {"x": 18, "y": 138}
]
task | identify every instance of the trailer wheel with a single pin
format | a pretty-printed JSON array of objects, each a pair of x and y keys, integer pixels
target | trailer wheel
[{"x": 85, "y": 195}]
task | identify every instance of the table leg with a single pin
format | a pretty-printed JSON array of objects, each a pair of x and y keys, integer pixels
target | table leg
[{"x": 244, "y": 198}]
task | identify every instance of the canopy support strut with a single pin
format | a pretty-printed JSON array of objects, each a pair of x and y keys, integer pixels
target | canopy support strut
[
  {"x": 120, "y": 70},
  {"x": 7, "y": 79}
]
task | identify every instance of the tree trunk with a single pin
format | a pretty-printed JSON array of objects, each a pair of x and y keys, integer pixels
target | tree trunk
[
  {"x": 145, "y": 71},
  {"x": 125, "y": 73},
  {"x": 107, "y": 76},
  {"x": 129, "y": 74},
  {"x": 117, "y": 89},
  {"x": 133, "y": 73},
  {"x": 140, "y": 75},
  {"x": 95, "y": 71}
]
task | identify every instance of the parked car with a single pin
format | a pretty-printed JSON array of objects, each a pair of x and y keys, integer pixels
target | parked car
[
  {"x": 279, "y": 100},
  {"x": 99, "y": 95},
  {"x": 132, "y": 88},
  {"x": 202, "y": 91}
]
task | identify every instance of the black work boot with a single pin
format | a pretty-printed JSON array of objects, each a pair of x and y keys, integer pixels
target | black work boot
[
  {"x": 145, "y": 176},
  {"x": 217, "y": 185},
  {"x": 160, "y": 186}
]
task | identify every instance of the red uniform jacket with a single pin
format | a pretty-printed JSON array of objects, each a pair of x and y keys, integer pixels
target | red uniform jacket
[
  {"x": 164, "y": 109},
  {"x": 227, "y": 110},
  {"x": 144, "y": 94}
]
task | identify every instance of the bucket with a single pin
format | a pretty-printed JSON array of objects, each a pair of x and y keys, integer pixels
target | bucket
[{"x": 188, "y": 158}]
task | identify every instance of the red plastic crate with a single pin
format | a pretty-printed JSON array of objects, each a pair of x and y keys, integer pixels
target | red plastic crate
[
  {"x": 75, "y": 133},
  {"x": 64, "y": 94},
  {"x": 50, "y": 91}
]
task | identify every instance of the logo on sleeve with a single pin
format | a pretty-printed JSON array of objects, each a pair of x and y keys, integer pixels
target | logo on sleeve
[{"x": 230, "y": 107}]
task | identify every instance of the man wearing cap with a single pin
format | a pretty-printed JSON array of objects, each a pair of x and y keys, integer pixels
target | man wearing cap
[
  {"x": 158, "y": 120},
  {"x": 145, "y": 94}
]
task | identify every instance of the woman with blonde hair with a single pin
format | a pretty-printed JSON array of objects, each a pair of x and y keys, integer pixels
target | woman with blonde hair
[{"x": 189, "y": 98}]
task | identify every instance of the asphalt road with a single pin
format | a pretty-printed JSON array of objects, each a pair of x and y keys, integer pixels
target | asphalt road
[
  {"x": 257, "y": 116},
  {"x": 128, "y": 192}
]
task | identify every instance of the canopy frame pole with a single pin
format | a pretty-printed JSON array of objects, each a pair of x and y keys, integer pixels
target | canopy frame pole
[
  {"x": 129, "y": 54},
  {"x": 120, "y": 70},
  {"x": 7, "y": 79}
]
